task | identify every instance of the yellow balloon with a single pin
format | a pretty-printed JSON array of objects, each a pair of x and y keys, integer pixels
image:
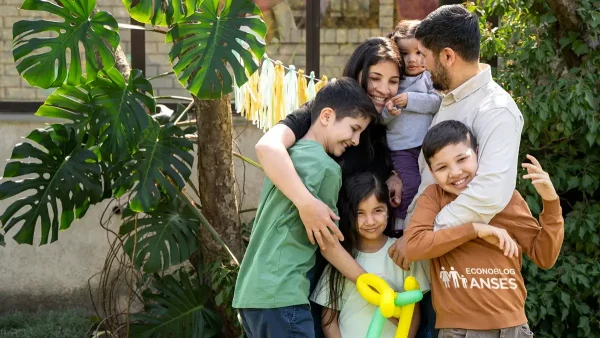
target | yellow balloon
[
  {"x": 387, "y": 302},
  {"x": 383, "y": 296},
  {"x": 406, "y": 312}
]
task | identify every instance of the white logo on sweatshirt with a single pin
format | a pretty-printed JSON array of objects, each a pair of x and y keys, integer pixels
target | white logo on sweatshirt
[{"x": 496, "y": 283}]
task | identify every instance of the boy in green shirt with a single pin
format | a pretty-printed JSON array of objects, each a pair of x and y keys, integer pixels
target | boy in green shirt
[{"x": 272, "y": 288}]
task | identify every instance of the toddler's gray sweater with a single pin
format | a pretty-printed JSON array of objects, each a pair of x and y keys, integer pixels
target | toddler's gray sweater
[{"x": 408, "y": 129}]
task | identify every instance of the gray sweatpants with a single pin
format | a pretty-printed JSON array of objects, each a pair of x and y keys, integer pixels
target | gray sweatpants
[{"x": 519, "y": 331}]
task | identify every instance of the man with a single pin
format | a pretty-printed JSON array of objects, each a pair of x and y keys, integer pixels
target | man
[{"x": 449, "y": 40}]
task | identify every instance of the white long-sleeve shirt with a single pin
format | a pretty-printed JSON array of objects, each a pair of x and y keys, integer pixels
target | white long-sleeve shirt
[{"x": 495, "y": 120}]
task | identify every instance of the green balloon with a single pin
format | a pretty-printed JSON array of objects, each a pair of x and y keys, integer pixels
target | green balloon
[
  {"x": 403, "y": 298},
  {"x": 408, "y": 297},
  {"x": 376, "y": 326}
]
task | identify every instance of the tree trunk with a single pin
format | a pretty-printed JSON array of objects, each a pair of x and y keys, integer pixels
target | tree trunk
[
  {"x": 566, "y": 14},
  {"x": 216, "y": 180},
  {"x": 568, "y": 21},
  {"x": 216, "y": 186},
  {"x": 121, "y": 63}
]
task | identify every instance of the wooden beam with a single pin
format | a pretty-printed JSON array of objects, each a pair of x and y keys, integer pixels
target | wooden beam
[
  {"x": 313, "y": 28},
  {"x": 138, "y": 47}
]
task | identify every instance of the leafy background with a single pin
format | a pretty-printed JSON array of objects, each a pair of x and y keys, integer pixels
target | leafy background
[
  {"x": 551, "y": 71},
  {"x": 559, "y": 95}
]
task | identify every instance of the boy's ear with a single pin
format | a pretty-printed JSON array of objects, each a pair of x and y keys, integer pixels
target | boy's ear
[{"x": 327, "y": 115}]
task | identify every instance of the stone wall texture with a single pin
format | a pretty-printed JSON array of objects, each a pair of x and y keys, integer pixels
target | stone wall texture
[{"x": 336, "y": 47}]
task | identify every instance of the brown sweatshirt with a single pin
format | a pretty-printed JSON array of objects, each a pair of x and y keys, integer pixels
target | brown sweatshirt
[{"x": 474, "y": 286}]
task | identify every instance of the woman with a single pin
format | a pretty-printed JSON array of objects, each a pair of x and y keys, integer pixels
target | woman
[{"x": 376, "y": 64}]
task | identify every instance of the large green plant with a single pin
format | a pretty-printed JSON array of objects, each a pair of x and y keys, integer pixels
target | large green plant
[
  {"x": 79, "y": 24},
  {"x": 550, "y": 61},
  {"x": 117, "y": 145}
]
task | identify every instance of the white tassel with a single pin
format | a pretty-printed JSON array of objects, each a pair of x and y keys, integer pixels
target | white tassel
[
  {"x": 311, "y": 92},
  {"x": 267, "y": 78},
  {"x": 290, "y": 91}
]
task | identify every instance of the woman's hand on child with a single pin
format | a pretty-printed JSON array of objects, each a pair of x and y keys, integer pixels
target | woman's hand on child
[
  {"x": 394, "y": 184},
  {"x": 540, "y": 179},
  {"x": 318, "y": 222},
  {"x": 504, "y": 241},
  {"x": 392, "y": 109}
]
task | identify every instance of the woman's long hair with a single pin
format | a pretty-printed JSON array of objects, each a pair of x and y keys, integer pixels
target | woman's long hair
[
  {"x": 371, "y": 52},
  {"x": 355, "y": 189}
]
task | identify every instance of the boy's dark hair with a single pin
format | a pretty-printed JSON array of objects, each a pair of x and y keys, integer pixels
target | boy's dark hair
[
  {"x": 454, "y": 27},
  {"x": 346, "y": 97},
  {"x": 405, "y": 29},
  {"x": 355, "y": 189},
  {"x": 371, "y": 52},
  {"x": 444, "y": 134}
]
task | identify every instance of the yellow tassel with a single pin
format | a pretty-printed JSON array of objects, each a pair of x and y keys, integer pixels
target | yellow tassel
[
  {"x": 255, "y": 97},
  {"x": 321, "y": 83},
  {"x": 302, "y": 88},
  {"x": 246, "y": 113},
  {"x": 252, "y": 97},
  {"x": 278, "y": 113}
]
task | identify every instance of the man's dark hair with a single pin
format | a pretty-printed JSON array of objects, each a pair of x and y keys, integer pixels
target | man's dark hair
[
  {"x": 444, "y": 134},
  {"x": 346, "y": 97},
  {"x": 454, "y": 27}
]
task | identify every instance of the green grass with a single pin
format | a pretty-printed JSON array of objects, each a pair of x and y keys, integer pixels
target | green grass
[{"x": 50, "y": 324}]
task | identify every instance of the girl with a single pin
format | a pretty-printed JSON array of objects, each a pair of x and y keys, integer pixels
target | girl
[
  {"x": 408, "y": 115},
  {"x": 364, "y": 219}
]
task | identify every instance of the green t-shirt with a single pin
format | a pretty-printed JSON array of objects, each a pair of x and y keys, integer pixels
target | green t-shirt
[{"x": 273, "y": 271}]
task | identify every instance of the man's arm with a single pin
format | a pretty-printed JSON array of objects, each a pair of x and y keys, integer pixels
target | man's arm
[
  {"x": 541, "y": 244},
  {"x": 498, "y": 133},
  {"x": 421, "y": 241}
]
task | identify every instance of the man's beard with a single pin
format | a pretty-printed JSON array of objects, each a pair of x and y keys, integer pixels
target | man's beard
[{"x": 440, "y": 77}]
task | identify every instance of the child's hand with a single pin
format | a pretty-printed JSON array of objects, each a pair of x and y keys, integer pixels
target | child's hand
[
  {"x": 392, "y": 109},
  {"x": 540, "y": 179},
  {"x": 504, "y": 241},
  {"x": 400, "y": 100},
  {"x": 318, "y": 222}
]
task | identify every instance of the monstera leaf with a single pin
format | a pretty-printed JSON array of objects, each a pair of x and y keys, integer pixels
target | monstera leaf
[
  {"x": 48, "y": 68},
  {"x": 160, "y": 12},
  {"x": 206, "y": 41},
  {"x": 62, "y": 174},
  {"x": 122, "y": 111},
  {"x": 176, "y": 308},
  {"x": 162, "y": 161},
  {"x": 73, "y": 104},
  {"x": 164, "y": 237}
]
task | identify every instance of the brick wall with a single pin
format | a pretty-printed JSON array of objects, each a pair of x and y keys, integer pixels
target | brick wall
[
  {"x": 12, "y": 86},
  {"x": 336, "y": 47},
  {"x": 336, "y": 44}
]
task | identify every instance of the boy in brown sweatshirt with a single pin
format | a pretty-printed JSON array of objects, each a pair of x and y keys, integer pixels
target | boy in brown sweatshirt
[{"x": 476, "y": 280}]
